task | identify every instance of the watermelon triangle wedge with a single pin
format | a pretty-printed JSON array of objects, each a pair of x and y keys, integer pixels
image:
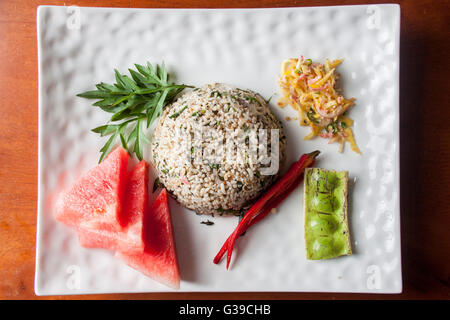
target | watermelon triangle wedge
[
  {"x": 94, "y": 201},
  {"x": 158, "y": 260},
  {"x": 109, "y": 207},
  {"x": 135, "y": 202}
]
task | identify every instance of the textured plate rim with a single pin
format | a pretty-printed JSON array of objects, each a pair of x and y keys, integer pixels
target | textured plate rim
[{"x": 396, "y": 32}]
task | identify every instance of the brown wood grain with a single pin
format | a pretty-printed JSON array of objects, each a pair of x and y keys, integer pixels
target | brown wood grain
[{"x": 425, "y": 149}]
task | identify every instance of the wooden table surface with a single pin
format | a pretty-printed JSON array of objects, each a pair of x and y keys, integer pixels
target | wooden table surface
[{"x": 425, "y": 148}]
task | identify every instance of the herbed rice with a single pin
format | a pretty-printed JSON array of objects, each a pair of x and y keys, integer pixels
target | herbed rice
[{"x": 194, "y": 169}]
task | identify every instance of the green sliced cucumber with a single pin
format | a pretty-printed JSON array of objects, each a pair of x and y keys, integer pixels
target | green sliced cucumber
[{"x": 325, "y": 207}]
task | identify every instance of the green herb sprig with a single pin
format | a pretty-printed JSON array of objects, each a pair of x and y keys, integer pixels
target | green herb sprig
[{"x": 137, "y": 102}]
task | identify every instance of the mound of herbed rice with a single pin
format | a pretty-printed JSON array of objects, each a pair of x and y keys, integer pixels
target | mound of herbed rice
[{"x": 210, "y": 153}]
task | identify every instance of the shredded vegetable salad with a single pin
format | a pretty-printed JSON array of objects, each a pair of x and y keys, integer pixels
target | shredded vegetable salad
[{"x": 310, "y": 88}]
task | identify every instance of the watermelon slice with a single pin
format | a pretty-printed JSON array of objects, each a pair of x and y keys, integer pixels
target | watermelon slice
[
  {"x": 94, "y": 201},
  {"x": 158, "y": 260},
  {"x": 109, "y": 208},
  {"x": 129, "y": 238}
]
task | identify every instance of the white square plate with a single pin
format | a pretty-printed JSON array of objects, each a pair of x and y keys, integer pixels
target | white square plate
[{"x": 79, "y": 47}]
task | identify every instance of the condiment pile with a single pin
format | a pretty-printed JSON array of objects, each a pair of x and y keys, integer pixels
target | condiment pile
[{"x": 310, "y": 88}]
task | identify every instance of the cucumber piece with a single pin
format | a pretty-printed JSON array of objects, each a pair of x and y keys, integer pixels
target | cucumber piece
[{"x": 325, "y": 209}]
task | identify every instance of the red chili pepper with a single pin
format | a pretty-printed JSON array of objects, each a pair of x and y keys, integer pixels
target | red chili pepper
[
  {"x": 273, "y": 204},
  {"x": 282, "y": 187},
  {"x": 271, "y": 199}
]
